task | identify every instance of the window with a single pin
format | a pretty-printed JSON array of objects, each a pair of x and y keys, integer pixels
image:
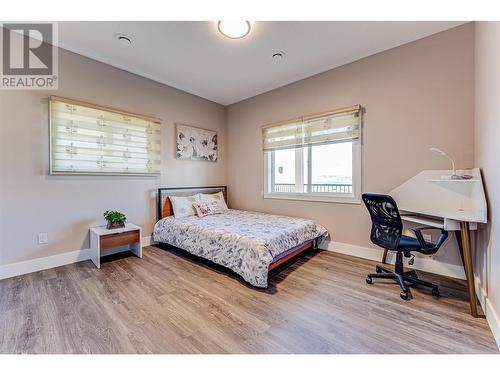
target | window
[
  {"x": 88, "y": 139},
  {"x": 315, "y": 157}
]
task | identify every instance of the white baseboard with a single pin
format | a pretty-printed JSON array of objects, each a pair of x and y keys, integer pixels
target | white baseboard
[
  {"x": 493, "y": 320},
  {"x": 44, "y": 263},
  {"x": 148, "y": 241},
  {"x": 38, "y": 264},
  {"x": 421, "y": 263},
  {"x": 489, "y": 311}
]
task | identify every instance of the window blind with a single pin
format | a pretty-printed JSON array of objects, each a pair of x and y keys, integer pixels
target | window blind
[
  {"x": 88, "y": 139},
  {"x": 335, "y": 126}
]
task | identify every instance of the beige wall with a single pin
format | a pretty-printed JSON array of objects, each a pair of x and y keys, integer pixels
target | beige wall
[
  {"x": 31, "y": 201},
  {"x": 487, "y": 156},
  {"x": 416, "y": 96}
]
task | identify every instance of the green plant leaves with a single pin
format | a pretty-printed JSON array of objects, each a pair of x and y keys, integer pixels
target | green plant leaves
[{"x": 114, "y": 216}]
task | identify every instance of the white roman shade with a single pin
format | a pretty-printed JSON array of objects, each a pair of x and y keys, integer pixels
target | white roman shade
[
  {"x": 88, "y": 139},
  {"x": 336, "y": 126}
]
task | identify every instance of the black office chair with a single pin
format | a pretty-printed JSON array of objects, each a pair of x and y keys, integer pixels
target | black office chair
[{"x": 386, "y": 232}]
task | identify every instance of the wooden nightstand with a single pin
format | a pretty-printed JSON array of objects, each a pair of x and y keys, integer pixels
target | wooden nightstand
[{"x": 103, "y": 239}]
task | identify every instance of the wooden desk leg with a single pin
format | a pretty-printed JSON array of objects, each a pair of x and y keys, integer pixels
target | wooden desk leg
[
  {"x": 458, "y": 236},
  {"x": 384, "y": 257},
  {"x": 469, "y": 271}
]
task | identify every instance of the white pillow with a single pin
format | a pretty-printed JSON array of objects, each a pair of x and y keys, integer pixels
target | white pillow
[
  {"x": 214, "y": 199},
  {"x": 183, "y": 206}
]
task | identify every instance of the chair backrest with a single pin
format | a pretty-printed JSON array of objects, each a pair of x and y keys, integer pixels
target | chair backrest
[{"x": 387, "y": 227}]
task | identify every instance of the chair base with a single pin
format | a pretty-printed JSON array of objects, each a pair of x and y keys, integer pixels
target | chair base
[{"x": 402, "y": 279}]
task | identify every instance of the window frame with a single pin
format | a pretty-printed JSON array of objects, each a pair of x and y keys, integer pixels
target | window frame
[{"x": 353, "y": 198}]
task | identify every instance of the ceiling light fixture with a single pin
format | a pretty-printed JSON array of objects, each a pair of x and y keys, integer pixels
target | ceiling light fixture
[
  {"x": 123, "y": 39},
  {"x": 234, "y": 29}
]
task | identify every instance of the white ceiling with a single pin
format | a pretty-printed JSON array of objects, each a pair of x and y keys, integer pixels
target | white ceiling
[{"x": 194, "y": 57}]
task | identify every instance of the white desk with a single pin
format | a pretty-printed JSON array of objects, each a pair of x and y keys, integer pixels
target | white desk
[
  {"x": 429, "y": 198},
  {"x": 103, "y": 239}
]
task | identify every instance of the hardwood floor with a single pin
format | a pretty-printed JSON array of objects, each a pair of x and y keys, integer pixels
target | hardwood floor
[{"x": 166, "y": 303}]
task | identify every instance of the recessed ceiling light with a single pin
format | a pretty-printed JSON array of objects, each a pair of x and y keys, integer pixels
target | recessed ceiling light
[
  {"x": 278, "y": 56},
  {"x": 234, "y": 29},
  {"x": 123, "y": 39}
]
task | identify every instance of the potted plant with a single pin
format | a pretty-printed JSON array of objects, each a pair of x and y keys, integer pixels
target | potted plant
[{"x": 115, "y": 219}]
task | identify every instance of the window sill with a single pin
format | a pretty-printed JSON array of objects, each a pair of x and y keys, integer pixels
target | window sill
[{"x": 330, "y": 198}]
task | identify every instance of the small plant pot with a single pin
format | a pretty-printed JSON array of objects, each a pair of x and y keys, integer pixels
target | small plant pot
[{"x": 115, "y": 224}]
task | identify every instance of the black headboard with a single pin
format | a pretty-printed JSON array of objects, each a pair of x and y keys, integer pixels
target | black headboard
[{"x": 164, "y": 192}]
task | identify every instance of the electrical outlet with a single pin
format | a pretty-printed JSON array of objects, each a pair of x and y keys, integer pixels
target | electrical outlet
[
  {"x": 427, "y": 238},
  {"x": 43, "y": 238}
]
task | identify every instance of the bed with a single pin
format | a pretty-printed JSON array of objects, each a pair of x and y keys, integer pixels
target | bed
[{"x": 249, "y": 243}]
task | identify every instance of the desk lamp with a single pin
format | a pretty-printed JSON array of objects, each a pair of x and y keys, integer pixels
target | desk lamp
[{"x": 454, "y": 175}]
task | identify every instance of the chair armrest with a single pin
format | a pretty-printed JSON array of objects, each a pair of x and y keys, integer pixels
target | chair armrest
[
  {"x": 425, "y": 246},
  {"x": 442, "y": 237}
]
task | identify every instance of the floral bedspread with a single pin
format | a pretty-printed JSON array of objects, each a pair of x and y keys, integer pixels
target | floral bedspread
[{"x": 246, "y": 242}]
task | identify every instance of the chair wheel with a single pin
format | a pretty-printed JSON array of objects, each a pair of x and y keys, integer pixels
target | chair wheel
[
  {"x": 369, "y": 280},
  {"x": 435, "y": 292},
  {"x": 405, "y": 295},
  {"x": 378, "y": 270}
]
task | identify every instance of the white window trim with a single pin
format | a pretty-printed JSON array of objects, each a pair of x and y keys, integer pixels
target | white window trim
[{"x": 354, "y": 198}]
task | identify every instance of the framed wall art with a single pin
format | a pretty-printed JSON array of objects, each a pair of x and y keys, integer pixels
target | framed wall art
[{"x": 195, "y": 143}]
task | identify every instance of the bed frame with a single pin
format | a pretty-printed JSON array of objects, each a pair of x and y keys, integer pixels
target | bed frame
[{"x": 164, "y": 209}]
